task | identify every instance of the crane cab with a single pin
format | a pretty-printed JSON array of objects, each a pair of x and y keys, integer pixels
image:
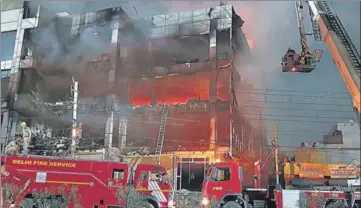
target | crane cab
[{"x": 292, "y": 62}]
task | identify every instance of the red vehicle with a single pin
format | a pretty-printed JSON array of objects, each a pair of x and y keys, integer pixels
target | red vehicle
[
  {"x": 223, "y": 186},
  {"x": 96, "y": 182},
  {"x": 329, "y": 197}
]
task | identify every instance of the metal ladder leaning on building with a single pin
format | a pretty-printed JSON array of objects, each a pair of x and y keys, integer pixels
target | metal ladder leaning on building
[{"x": 160, "y": 139}]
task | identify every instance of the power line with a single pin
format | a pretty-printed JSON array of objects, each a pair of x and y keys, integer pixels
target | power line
[
  {"x": 286, "y": 134},
  {"x": 319, "y": 148},
  {"x": 245, "y": 113},
  {"x": 280, "y": 146},
  {"x": 299, "y": 91},
  {"x": 299, "y": 109},
  {"x": 290, "y": 120},
  {"x": 304, "y": 131},
  {"x": 322, "y": 104},
  {"x": 311, "y": 96}
]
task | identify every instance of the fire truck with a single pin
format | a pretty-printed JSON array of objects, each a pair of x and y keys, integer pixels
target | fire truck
[
  {"x": 98, "y": 183},
  {"x": 223, "y": 186}
]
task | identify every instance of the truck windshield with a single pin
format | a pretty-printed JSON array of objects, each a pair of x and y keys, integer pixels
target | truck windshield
[{"x": 218, "y": 173}]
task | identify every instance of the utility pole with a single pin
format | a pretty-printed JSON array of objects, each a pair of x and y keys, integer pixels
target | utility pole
[
  {"x": 1, "y": 185},
  {"x": 275, "y": 143},
  {"x": 242, "y": 138},
  {"x": 74, "y": 125}
]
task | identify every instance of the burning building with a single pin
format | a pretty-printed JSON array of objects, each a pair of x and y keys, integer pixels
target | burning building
[{"x": 164, "y": 84}]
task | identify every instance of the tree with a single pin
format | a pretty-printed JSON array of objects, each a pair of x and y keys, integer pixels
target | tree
[
  {"x": 11, "y": 191},
  {"x": 57, "y": 198},
  {"x": 130, "y": 197},
  {"x": 41, "y": 198}
]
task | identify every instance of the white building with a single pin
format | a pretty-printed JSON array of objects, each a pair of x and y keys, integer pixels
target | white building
[
  {"x": 17, "y": 19},
  {"x": 343, "y": 135}
]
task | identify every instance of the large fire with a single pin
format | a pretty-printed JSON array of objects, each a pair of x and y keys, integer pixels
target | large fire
[{"x": 178, "y": 89}]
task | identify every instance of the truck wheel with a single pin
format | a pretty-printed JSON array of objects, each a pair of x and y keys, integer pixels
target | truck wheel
[
  {"x": 232, "y": 204},
  {"x": 146, "y": 205},
  {"x": 336, "y": 204},
  {"x": 27, "y": 203}
]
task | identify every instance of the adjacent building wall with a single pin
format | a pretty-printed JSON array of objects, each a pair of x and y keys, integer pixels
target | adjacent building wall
[
  {"x": 15, "y": 20},
  {"x": 350, "y": 139}
]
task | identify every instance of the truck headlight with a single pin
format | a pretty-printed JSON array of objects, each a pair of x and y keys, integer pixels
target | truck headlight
[{"x": 205, "y": 201}]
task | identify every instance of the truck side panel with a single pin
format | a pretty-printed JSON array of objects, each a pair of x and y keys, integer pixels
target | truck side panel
[{"x": 290, "y": 198}]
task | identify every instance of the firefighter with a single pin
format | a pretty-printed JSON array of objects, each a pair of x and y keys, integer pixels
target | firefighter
[
  {"x": 79, "y": 132},
  {"x": 12, "y": 148},
  {"x": 26, "y": 133}
]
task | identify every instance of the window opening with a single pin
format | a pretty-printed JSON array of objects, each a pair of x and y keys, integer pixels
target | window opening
[
  {"x": 118, "y": 174},
  {"x": 223, "y": 174},
  {"x": 143, "y": 175}
]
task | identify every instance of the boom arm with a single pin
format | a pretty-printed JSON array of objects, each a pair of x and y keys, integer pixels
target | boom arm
[
  {"x": 302, "y": 31},
  {"x": 342, "y": 50}
]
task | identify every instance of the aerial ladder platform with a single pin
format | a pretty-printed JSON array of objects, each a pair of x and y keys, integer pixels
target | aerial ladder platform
[
  {"x": 343, "y": 51},
  {"x": 328, "y": 28}
]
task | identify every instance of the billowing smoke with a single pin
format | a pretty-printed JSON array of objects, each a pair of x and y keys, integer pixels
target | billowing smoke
[
  {"x": 263, "y": 21},
  {"x": 52, "y": 40}
]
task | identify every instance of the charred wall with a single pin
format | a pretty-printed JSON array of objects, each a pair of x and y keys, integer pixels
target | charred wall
[{"x": 187, "y": 129}]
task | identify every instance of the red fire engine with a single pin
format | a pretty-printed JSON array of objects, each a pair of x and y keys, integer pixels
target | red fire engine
[
  {"x": 223, "y": 185},
  {"x": 330, "y": 197},
  {"x": 96, "y": 182}
]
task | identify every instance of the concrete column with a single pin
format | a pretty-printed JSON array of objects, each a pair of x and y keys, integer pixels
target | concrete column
[
  {"x": 118, "y": 82},
  {"x": 123, "y": 132},
  {"x": 108, "y": 136},
  {"x": 14, "y": 73},
  {"x": 212, "y": 39},
  {"x": 114, "y": 53},
  {"x": 212, "y": 110}
]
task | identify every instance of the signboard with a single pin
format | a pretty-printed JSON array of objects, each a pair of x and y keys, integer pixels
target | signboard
[
  {"x": 40, "y": 177},
  {"x": 309, "y": 170},
  {"x": 342, "y": 171}
]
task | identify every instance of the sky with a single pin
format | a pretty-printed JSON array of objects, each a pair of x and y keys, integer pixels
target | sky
[{"x": 273, "y": 28}]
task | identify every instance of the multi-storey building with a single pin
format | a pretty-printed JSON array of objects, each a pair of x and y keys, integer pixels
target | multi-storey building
[
  {"x": 17, "y": 20},
  {"x": 165, "y": 83}
]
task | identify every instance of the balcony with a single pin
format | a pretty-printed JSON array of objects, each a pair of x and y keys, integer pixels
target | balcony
[
  {"x": 31, "y": 106},
  {"x": 60, "y": 112}
]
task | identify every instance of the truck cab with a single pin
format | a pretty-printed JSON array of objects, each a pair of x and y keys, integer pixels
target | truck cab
[{"x": 223, "y": 186}]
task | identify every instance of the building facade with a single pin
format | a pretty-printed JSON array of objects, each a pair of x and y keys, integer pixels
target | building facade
[
  {"x": 170, "y": 75},
  {"x": 17, "y": 20}
]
